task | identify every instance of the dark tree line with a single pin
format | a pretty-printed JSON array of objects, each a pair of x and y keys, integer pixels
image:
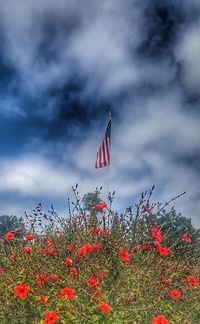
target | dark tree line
[{"x": 10, "y": 223}]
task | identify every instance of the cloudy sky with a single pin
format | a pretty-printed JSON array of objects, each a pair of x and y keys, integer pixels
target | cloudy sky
[{"x": 63, "y": 65}]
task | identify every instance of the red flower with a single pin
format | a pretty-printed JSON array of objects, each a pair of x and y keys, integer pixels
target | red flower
[
  {"x": 54, "y": 277},
  {"x": 105, "y": 308},
  {"x": 166, "y": 282},
  {"x": 156, "y": 234},
  {"x": 124, "y": 255},
  {"x": 42, "y": 299},
  {"x": 74, "y": 272},
  {"x": 85, "y": 249},
  {"x": 175, "y": 294},
  {"x": 27, "y": 249},
  {"x": 147, "y": 246},
  {"x": 158, "y": 237},
  {"x": 22, "y": 291},
  {"x": 135, "y": 249},
  {"x": 146, "y": 209},
  {"x": 48, "y": 251},
  {"x": 162, "y": 250},
  {"x": 69, "y": 248},
  {"x": 2, "y": 270},
  {"x": 67, "y": 292},
  {"x": 38, "y": 281},
  {"x": 160, "y": 320},
  {"x": 186, "y": 238},
  {"x": 153, "y": 231},
  {"x": 13, "y": 256},
  {"x": 100, "y": 206},
  {"x": 104, "y": 233},
  {"x": 98, "y": 294},
  {"x": 42, "y": 279},
  {"x": 49, "y": 243},
  {"x": 96, "y": 230},
  {"x": 192, "y": 281},
  {"x": 9, "y": 236},
  {"x": 96, "y": 247},
  {"x": 156, "y": 244},
  {"x": 155, "y": 224},
  {"x": 68, "y": 262},
  {"x": 93, "y": 282},
  {"x": 43, "y": 276},
  {"x": 101, "y": 274},
  {"x": 50, "y": 318},
  {"x": 29, "y": 237},
  {"x": 51, "y": 251}
]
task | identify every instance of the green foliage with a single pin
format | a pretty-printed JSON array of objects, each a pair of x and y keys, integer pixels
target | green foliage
[
  {"x": 11, "y": 223},
  {"x": 174, "y": 224},
  {"x": 91, "y": 199},
  {"x": 108, "y": 264}
]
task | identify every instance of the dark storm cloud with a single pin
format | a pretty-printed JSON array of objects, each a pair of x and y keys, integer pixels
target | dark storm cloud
[
  {"x": 54, "y": 47},
  {"x": 157, "y": 42},
  {"x": 63, "y": 64}
]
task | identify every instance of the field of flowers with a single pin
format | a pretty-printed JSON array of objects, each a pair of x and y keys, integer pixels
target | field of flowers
[{"x": 100, "y": 267}]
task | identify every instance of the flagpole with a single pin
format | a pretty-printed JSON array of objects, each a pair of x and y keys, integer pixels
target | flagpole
[
  {"x": 103, "y": 157},
  {"x": 105, "y": 186},
  {"x": 107, "y": 169}
]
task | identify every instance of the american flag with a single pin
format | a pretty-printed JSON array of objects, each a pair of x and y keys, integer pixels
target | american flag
[{"x": 103, "y": 154}]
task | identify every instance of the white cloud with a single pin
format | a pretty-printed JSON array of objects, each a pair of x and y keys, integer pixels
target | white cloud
[
  {"x": 33, "y": 175},
  {"x": 99, "y": 45},
  {"x": 151, "y": 131},
  {"x": 160, "y": 124},
  {"x": 187, "y": 52}
]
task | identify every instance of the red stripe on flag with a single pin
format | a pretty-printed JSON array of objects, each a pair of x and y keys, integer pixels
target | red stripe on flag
[{"x": 103, "y": 154}]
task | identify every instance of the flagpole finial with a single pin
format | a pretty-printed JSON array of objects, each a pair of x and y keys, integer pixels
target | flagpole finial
[{"x": 109, "y": 114}]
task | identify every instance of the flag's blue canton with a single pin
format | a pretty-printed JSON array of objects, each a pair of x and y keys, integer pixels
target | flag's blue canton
[{"x": 108, "y": 129}]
